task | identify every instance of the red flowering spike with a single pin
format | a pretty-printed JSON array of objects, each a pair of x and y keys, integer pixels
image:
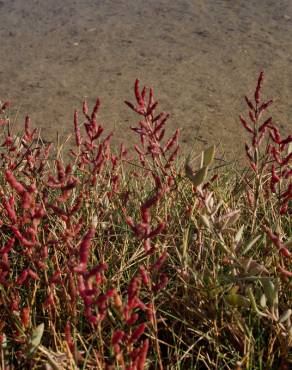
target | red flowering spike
[{"x": 258, "y": 88}]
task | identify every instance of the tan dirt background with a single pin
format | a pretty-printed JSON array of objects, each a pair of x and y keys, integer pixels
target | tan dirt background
[{"x": 201, "y": 57}]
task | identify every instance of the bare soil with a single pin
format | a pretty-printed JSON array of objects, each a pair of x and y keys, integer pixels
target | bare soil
[{"x": 200, "y": 56}]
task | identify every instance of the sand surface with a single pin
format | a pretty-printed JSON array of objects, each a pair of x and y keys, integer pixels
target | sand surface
[{"x": 201, "y": 57}]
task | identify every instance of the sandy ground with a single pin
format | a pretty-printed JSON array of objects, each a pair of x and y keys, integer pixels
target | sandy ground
[{"x": 201, "y": 57}]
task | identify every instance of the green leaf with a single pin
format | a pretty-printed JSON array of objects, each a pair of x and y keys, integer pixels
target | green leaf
[
  {"x": 36, "y": 338},
  {"x": 253, "y": 303},
  {"x": 208, "y": 156},
  {"x": 188, "y": 168},
  {"x": 251, "y": 244},
  {"x": 237, "y": 300},
  {"x": 270, "y": 290},
  {"x": 238, "y": 235},
  {"x": 199, "y": 177}
]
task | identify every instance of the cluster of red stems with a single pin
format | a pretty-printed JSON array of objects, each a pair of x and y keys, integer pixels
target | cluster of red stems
[
  {"x": 31, "y": 247},
  {"x": 273, "y": 161},
  {"x": 276, "y": 153},
  {"x": 43, "y": 267}
]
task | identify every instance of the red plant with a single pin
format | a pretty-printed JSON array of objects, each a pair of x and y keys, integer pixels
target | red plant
[
  {"x": 274, "y": 162},
  {"x": 276, "y": 154}
]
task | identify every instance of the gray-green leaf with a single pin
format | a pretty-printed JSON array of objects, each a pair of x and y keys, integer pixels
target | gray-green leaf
[
  {"x": 270, "y": 290},
  {"x": 237, "y": 300},
  {"x": 251, "y": 244},
  {"x": 199, "y": 177},
  {"x": 208, "y": 156},
  {"x": 239, "y": 233}
]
